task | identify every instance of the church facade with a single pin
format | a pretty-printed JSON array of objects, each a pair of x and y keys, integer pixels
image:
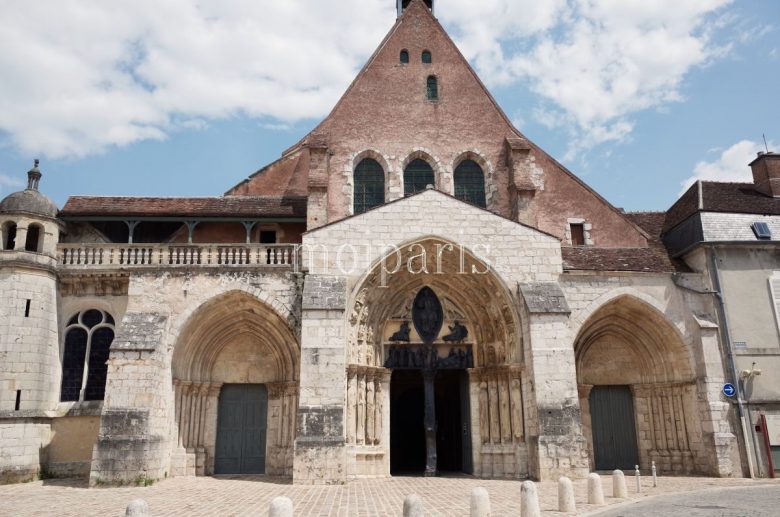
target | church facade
[{"x": 414, "y": 287}]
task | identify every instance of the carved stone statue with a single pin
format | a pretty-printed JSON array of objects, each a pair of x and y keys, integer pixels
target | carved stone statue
[
  {"x": 457, "y": 333},
  {"x": 402, "y": 334}
]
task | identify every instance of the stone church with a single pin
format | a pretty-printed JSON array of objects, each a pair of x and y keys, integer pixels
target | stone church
[{"x": 414, "y": 287}]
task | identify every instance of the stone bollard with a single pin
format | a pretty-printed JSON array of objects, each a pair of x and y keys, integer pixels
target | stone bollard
[
  {"x": 529, "y": 500},
  {"x": 619, "y": 488},
  {"x": 566, "y": 495},
  {"x": 137, "y": 508},
  {"x": 280, "y": 507},
  {"x": 595, "y": 492},
  {"x": 638, "y": 481},
  {"x": 413, "y": 506},
  {"x": 480, "y": 503}
]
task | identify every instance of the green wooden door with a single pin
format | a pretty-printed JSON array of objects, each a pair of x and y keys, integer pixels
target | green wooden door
[
  {"x": 614, "y": 432},
  {"x": 241, "y": 429}
]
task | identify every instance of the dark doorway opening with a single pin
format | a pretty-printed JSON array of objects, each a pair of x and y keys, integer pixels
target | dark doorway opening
[
  {"x": 449, "y": 431},
  {"x": 614, "y": 431},
  {"x": 407, "y": 435},
  {"x": 407, "y": 413},
  {"x": 241, "y": 429}
]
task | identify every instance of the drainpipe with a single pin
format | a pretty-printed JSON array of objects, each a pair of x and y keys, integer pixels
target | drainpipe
[{"x": 726, "y": 336}]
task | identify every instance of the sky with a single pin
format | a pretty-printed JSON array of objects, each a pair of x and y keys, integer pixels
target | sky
[{"x": 188, "y": 97}]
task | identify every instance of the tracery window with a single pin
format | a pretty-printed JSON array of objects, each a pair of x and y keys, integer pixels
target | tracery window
[
  {"x": 470, "y": 183},
  {"x": 88, "y": 338},
  {"x": 417, "y": 176},
  {"x": 369, "y": 185},
  {"x": 433, "y": 88},
  {"x": 404, "y": 56}
]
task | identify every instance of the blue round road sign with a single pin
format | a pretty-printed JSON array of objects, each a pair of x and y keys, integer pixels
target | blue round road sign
[{"x": 729, "y": 390}]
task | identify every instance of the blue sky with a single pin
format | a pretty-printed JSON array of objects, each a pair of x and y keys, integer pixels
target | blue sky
[{"x": 636, "y": 98}]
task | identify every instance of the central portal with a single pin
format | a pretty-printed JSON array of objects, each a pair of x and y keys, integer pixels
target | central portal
[{"x": 407, "y": 422}]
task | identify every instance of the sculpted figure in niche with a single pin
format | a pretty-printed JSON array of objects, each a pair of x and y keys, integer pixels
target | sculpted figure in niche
[
  {"x": 402, "y": 334},
  {"x": 457, "y": 333}
]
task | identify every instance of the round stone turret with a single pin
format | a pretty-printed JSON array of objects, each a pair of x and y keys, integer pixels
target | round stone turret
[{"x": 30, "y": 201}]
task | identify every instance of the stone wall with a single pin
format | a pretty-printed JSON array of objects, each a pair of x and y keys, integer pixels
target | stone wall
[{"x": 23, "y": 448}]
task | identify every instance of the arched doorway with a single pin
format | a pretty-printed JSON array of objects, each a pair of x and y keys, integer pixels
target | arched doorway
[
  {"x": 637, "y": 389},
  {"x": 434, "y": 346},
  {"x": 235, "y": 373}
]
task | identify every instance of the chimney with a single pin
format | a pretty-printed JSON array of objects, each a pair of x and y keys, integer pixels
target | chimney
[{"x": 766, "y": 173}]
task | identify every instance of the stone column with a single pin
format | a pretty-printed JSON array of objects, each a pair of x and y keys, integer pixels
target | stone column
[
  {"x": 320, "y": 453},
  {"x": 352, "y": 388},
  {"x": 558, "y": 449},
  {"x": 210, "y": 427}
]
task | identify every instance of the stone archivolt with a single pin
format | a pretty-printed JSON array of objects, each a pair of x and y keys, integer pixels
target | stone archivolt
[{"x": 233, "y": 338}]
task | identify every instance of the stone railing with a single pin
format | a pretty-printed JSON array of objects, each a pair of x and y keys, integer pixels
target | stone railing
[{"x": 121, "y": 256}]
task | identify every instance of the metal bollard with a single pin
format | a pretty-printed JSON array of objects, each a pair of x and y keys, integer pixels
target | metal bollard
[
  {"x": 413, "y": 506},
  {"x": 280, "y": 507},
  {"x": 655, "y": 476},
  {"x": 638, "y": 481}
]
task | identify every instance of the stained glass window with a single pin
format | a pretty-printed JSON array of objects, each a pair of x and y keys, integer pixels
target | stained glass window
[
  {"x": 470, "y": 183},
  {"x": 369, "y": 185},
  {"x": 88, "y": 340},
  {"x": 417, "y": 176}
]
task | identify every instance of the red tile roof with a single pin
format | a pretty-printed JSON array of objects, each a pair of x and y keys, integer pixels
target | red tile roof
[
  {"x": 227, "y": 206},
  {"x": 654, "y": 258}
]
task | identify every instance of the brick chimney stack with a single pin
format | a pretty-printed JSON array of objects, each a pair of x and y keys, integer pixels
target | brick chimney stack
[{"x": 766, "y": 173}]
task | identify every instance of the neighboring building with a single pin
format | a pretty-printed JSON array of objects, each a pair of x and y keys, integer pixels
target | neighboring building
[
  {"x": 729, "y": 231},
  {"x": 413, "y": 287}
]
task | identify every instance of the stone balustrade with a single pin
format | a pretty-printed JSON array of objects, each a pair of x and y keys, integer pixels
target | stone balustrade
[{"x": 121, "y": 256}]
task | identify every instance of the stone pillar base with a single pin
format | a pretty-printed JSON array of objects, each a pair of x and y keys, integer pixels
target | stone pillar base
[
  {"x": 319, "y": 463},
  {"x": 558, "y": 456}
]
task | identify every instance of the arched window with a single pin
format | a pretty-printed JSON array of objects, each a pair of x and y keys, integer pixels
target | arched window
[
  {"x": 417, "y": 176},
  {"x": 88, "y": 338},
  {"x": 9, "y": 236},
  {"x": 470, "y": 183},
  {"x": 426, "y": 57},
  {"x": 369, "y": 185},
  {"x": 33, "y": 241},
  {"x": 404, "y": 56},
  {"x": 433, "y": 88}
]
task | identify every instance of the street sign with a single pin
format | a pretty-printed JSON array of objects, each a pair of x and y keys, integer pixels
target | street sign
[{"x": 729, "y": 390}]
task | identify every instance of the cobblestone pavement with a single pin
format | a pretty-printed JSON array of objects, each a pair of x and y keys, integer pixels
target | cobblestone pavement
[
  {"x": 754, "y": 501},
  {"x": 234, "y": 496}
]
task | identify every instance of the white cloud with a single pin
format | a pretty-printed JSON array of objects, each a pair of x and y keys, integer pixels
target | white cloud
[
  {"x": 731, "y": 165},
  {"x": 595, "y": 62},
  {"x": 9, "y": 183},
  {"x": 81, "y": 75}
]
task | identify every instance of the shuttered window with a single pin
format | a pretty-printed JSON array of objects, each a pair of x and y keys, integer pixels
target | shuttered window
[
  {"x": 369, "y": 185},
  {"x": 774, "y": 288}
]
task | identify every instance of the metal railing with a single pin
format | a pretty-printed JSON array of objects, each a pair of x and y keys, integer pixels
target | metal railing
[{"x": 107, "y": 256}]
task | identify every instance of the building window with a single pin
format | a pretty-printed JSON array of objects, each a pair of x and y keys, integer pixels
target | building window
[
  {"x": 417, "y": 176},
  {"x": 33, "y": 242},
  {"x": 404, "y": 57},
  {"x": 433, "y": 88},
  {"x": 577, "y": 234},
  {"x": 267, "y": 236},
  {"x": 761, "y": 230},
  {"x": 9, "y": 236},
  {"x": 369, "y": 185},
  {"x": 88, "y": 338},
  {"x": 470, "y": 183},
  {"x": 427, "y": 58}
]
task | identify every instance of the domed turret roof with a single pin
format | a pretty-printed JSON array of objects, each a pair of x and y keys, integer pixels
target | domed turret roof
[{"x": 30, "y": 200}]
